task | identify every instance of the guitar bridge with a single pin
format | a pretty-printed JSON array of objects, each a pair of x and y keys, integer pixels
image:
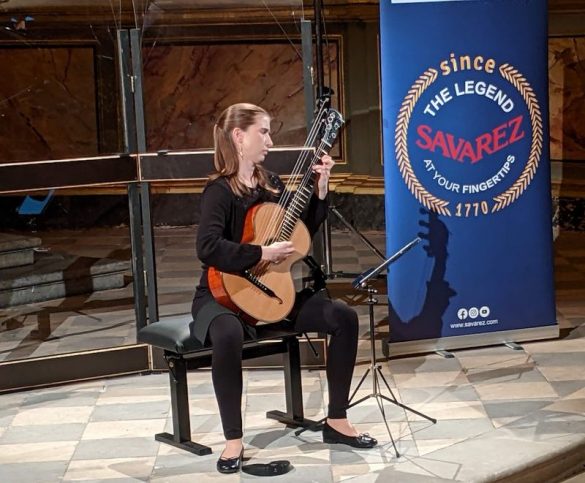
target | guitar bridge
[{"x": 259, "y": 285}]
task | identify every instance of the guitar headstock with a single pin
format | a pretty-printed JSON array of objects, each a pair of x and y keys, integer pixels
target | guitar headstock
[{"x": 332, "y": 124}]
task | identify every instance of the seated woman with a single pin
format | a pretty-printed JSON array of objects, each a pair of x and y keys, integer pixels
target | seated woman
[{"x": 242, "y": 140}]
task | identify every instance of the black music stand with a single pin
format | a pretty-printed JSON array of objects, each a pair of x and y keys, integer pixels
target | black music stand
[{"x": 363, "y": 282}]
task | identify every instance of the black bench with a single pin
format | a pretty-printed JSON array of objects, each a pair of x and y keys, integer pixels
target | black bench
[{"x": 183, "y": 352}]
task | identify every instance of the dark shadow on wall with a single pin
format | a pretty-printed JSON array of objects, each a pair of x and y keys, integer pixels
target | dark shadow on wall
[{"x": 428, "y": 323}]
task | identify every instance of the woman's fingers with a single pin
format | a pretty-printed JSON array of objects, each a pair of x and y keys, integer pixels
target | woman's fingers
[
  {"x": 325, "y": 167},
  {"x": 282, "y": 250}
]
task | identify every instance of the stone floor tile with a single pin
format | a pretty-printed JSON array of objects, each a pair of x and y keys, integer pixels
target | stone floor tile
[
  {"x": 39, "y": 472},
  {"x": 201, "y": 389},
  {"x": 450, "y": 428},
  {"x": 307, "y": 474},
  {"x": 52, "y": 415},
  {"x": 424, "y": 364},
  {"x": 558, "y": 373},
  {"x": 62, "y": 398},
  {"x": 123, "y": 429},
  {"x": 569, "y": 405},
  {"x": 134, "y": 410},
  {"x": 520, "y": 372},
  {"x": 362, "y": 473},
  {"x": 515, "y": 390},
  {"x": 381, "y": 473},
  {"x": 168, "y": 466},
  {"x": 106, "y": 400},
  {"x": 107, "y": 448},
  {"x": 42, "y": 433},
  {"x": 202, "y": 406},
  {"x": 184, "y": 477},
  {"x": 430, "y": 379},
  {"x": 207, "y": 423},
  {"x": 369, "y": 412},
  {"x": 7, "y": 416},
  {"x": 384, "y": 453},
  {"x": 214, "y": 440},
  {"x": 514, "y": 408},
  {"x": 575, "y": 359},
  {"x": 448, "y": 410},
  {"x": 138, "y": 382},
  {"x": 37, "y": 452},
  {"x": 138, "y": 469},
  {"x": 424, "y": 469},
  {"x": 426, "y": 446},
  {"x": 449, "y": 393},
  {"x": 298, "y": 453}
]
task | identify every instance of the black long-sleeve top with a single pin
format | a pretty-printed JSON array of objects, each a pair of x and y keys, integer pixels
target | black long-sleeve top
[{"x": 223, "y": 215}]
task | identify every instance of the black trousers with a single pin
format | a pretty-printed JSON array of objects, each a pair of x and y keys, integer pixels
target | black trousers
[{"x": 317, "y": 314}]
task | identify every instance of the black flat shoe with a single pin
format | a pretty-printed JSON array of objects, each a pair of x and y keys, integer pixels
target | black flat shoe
[
  {"x": 230, "y": 465},
  {"x": 331, "y": 436}
]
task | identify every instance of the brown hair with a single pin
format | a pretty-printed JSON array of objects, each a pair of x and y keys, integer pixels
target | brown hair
[{"x": 225, "y": 159}]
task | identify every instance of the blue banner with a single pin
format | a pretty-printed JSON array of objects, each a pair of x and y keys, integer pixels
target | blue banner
[{"x": 466, "y": 162}]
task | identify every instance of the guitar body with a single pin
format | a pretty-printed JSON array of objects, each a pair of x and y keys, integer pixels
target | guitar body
[{"x": 239, "y": 294}]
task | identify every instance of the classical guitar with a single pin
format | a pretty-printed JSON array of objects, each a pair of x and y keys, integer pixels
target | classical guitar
[{"x": 266, "y": 291}]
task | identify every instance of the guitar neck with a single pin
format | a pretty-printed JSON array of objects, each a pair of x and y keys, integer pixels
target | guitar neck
[
  {"x": 300, "y": 200},
  {"x": 330, "y": 122}
]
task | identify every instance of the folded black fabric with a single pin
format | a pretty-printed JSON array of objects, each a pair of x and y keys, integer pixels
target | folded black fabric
[{"x": 274, "y": 468}]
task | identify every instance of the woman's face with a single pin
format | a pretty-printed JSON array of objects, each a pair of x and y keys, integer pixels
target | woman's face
[{"x": 256, "y": 140}]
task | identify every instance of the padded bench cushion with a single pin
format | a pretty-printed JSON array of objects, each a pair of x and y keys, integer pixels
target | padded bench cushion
[
  {"x": 174, "y": 334},
  {"x": 171, "y": 334}
]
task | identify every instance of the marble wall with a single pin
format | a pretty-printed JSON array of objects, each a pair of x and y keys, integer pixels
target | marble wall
[
  {"x": 187, "y": 86},
  {"x": 566, "y": 66},
  {"x": 47, "y": 103}
]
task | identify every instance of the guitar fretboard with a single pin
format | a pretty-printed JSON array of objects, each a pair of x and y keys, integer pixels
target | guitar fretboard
[
  {"x": 299, "y": 201},
  {"x": 332, "y": 123}
]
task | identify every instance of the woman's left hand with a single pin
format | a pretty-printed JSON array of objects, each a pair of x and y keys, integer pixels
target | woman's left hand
[{"x": 323, "y": 171}]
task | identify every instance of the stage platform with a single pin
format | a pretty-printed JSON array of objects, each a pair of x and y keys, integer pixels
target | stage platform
[{"x": 503, "y": 414}]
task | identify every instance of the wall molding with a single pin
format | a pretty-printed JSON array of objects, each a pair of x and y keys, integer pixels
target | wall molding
[{"x": 567, "y": 181}]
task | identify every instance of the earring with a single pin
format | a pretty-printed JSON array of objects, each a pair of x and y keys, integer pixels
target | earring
[{"x": 241, "y": 153}]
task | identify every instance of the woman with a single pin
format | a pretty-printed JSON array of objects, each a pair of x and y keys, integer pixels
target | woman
[{"x": 242, "y": 140}]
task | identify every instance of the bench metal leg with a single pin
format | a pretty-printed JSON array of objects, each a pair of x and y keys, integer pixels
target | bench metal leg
[
  {"x": 181, "y": 437},
  {"x": 294, "y": 415}
]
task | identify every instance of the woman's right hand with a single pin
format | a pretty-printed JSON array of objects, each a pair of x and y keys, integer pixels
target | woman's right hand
[{"x": 277, "y": 252}]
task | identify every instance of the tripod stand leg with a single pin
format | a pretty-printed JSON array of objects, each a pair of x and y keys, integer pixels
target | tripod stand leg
[
  {"x": 359, "y": 385},
  {"x": 359, "y": 401},
  {"x": 383, "y": 411},
  {"x": 379, "y": 369},
  {"x": 393, "y": 400}
]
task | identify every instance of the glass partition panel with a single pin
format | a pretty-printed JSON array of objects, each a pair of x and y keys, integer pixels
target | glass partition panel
[
  {"x": 65, "y": 274},
  {"x": 60, "y": 85}
]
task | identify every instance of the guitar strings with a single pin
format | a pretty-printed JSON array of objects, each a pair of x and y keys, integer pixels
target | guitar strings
[
  {"x": 275, "y": 221},
  {"x": 306, "y": 169},
  {"x": 319, "y": 118},
  {"x": 297, "y": 169},
  {"x": 306, "y": 179},
  {"x": 301, "y": 160},
  {"x": 260, "y": 270},
  {"x": 270, "y": 228}
]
